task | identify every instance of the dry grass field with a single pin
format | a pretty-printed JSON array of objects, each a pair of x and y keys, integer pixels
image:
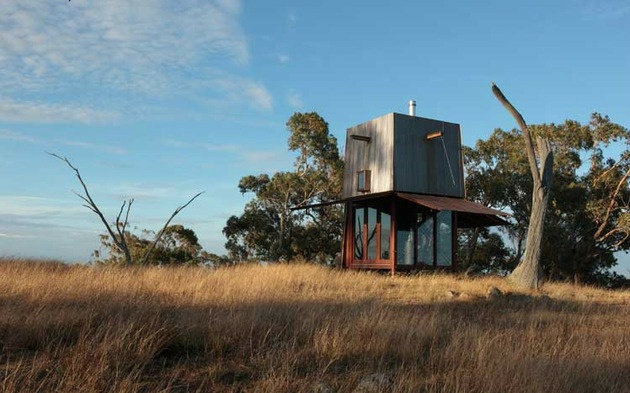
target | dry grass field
[{"x": 301, "y": 328}]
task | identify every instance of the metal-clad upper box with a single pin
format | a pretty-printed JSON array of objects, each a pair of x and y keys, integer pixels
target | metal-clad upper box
[{"x": 404, "y": 153}]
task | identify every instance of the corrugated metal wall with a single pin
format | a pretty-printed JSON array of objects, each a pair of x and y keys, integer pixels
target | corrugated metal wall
[{"x": 427, "y": 166}]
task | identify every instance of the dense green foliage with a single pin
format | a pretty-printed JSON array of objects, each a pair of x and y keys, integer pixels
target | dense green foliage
[
  {"x": 587, "y": 220},
  {"x": 268, "y": 229}
]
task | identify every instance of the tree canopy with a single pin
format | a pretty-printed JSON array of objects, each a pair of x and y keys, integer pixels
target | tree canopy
[
  {"x": 587, "y": 220},
  {"x": 268, "y": 228}
]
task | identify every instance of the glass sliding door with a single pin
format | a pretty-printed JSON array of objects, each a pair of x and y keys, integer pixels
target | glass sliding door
[
  {"x": 405, "y": 234},
  {"x": 371, "y": 233},
  {"x": 444, "y": 238}
]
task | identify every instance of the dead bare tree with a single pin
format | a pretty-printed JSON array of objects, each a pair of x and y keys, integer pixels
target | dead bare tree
[
  {"x": 119, "y": 236},
  {"x": 527, "y": 272}
]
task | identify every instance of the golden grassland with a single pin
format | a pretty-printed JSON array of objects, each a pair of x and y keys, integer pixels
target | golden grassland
[{"x": 288, "y": 328}]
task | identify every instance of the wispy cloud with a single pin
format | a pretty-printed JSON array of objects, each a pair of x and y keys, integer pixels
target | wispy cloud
[
  {"x": 283, "y": 58},
  {"x": 291, "y": 18},
  {"x": 36, "y": 207},
  {"x": 116, "y": 50},
  {"x": 294, "y": 99},
  {"x": 11, "y": 236},
  {"x": 38, "y": 112},
  {"x": 94, "y": 146},
  {"x": 245, "y": 156},
  {"x": 204, "y": 145},
  {"x": 243, "y": 91},
  {"x": 21, "y": 137},
  {"x": 17, "y": 136},
  {"x": 143, "y": 191},
  {"x": 607, "y": 9}
]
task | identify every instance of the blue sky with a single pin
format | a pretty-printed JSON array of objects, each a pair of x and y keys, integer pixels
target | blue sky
[{"x": 157, "y": 100}]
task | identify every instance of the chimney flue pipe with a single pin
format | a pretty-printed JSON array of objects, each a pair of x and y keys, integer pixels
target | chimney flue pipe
[{"x": 412, "y": 107}]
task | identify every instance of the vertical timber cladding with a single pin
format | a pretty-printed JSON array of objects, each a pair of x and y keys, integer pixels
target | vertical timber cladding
[
  {"x": 370, "y": 146},
  {"x": 427, "y": 166}
]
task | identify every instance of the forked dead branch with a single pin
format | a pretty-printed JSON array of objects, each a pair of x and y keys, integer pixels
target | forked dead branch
[
  {"x": 527, "y": 273},
  {"x": 118, "y": 237}
]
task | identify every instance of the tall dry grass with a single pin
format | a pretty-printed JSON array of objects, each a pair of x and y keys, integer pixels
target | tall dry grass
[{"x": 284, "y": 328}]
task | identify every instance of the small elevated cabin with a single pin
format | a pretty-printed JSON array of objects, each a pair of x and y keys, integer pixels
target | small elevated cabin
[{"x": 404, "y": 194}]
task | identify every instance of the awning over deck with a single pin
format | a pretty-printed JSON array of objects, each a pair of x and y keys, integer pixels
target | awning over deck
[{"x": 470, "y": 214}]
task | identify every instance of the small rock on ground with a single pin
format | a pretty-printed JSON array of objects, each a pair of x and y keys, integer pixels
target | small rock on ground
[
  {"x": 322, "y": 387},
  {"x": 374, "y": 383},
  {"x": 494, "y": 293}
]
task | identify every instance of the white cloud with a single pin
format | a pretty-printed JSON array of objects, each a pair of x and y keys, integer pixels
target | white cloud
[
  {"x": 207, "y": 146},
  {"x": 143, "y": 191},
  {"x": 295, "y": 100},
  {"x": 20, "y": 137},
  {"x": 38, "y": 112},
  {"x": 221, "y": 148},
  {"x": 107, "y": 52},
  {"x": 36, "y": 207},
  {"x": 259, "y": 95},
  {"x": 607, "y": 9},
  {"x": 12, "y": 236},
  {"x": 16, "y": 136},
  {"x": 245, "y": 156},
  {"x": 291, "y": 18},
  {"x": 283, "y": 58},
  {"x": 94, "y": 146}
]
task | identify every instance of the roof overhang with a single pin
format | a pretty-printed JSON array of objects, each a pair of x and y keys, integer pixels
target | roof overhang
[{"x": 469, "y": 214}]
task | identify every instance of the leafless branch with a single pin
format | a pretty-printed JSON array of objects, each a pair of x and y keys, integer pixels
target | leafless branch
[
  {"x": 90, "y": 204},
  {"x": 529, "y": 144},
  {"x": 161, "y": 232},
  {"x": 611, "y": 204}
]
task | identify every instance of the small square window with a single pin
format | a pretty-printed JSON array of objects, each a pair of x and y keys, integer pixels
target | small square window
[{"x": 363, "y": 180}]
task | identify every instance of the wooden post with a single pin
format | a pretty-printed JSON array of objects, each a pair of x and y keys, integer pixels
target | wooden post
[
  {"x": 392, "y": 236},
  {"x": 454, "y": 241},
  {"x": 348, "y": 238}
]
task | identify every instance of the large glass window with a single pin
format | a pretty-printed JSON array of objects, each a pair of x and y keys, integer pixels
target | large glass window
[
  {"x": 372, "y": 228},
  {"x": 371, "y": 233},
  {"x": 386, "y": 227},
  {"x": 444, "y": 238},
  {"x": 405, "y": 220},
  {"x": 425, "y": 239},
  {"x": 358, "y": 232}
]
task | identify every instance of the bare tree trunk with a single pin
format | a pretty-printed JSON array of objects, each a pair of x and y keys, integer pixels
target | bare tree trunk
[
  {"x": 120, "y": 241},
  {"x": 527, "y": 272},
  {"x": 472, "y": 247}
]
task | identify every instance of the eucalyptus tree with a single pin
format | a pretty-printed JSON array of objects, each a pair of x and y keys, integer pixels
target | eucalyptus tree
[
  {"x": 270, "y": 228},
  {"x": 590, "y": 191}
]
